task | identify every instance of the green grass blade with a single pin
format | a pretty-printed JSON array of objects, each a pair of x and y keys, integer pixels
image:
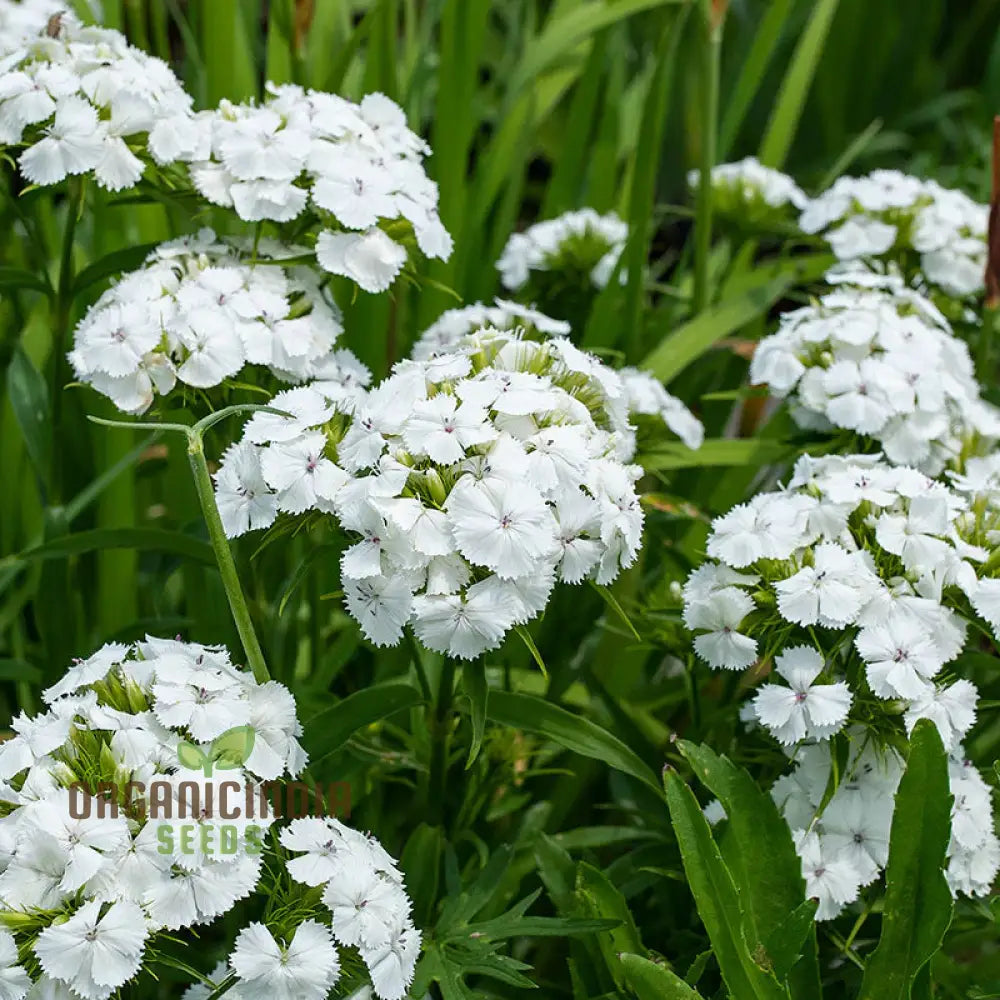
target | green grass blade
[{"x": 795, "y": 86}]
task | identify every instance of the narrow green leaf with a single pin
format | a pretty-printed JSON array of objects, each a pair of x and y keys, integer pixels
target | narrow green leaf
[
  {"x": 752, "y": 73},
  {"x": 565, "y": 30},
  {"x": 328, "y": 730},
  {"x": 599, "y": 897},
  {"x": 723, "y": 452},
  {"x": 695, "y": 338},
  {"x": 126, "y": 259},
  {"x": 612, "y": 602},
  {"x": 795, "y": 86},
  {"x": 478, "y": 690},
  {"x": 421, "y": 864},
  {"x": 918, "y": 905},
  {"x": 716, "y": 897},
  {"x": 525, "y": 711},
  {"x": 13, "y": 278},
  {"x": 12, "y": 669},
  {"x": 525, "y": 637},
  {"x": 650, "y": 981},
  {"x": 154, "y": 539},
  {"x": 757, "y": 845},
  {"x": 29, "y": 399}
]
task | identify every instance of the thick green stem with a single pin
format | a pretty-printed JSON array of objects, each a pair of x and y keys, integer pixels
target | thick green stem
[
  {"x": 440, "y": 730},
  {"x": 710, "y": 127},
  {"x": 225, "y": 560}
]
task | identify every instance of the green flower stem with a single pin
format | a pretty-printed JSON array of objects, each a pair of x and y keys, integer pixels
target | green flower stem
[
  {"x": 713, "y": 17},
  {"x": 213, "y": 520},
  {"x": 225, "y": 560},
  {"x": 439, "y": 724}
]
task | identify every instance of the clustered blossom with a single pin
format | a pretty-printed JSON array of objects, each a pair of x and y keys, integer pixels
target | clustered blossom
[
  {"x": 198, "y": 311},
  {"x": 81, "y": 100},
  {"x": 118, "y": 717},
  {"x": 856, "y": 580},
  {"x": 357, "y": 168},
  {"x": 581, "y": 241},
  {"x": 22, "y": 20},
  {"x": 935, "y": 234},
  {"x": 747, "y": 189},
  {"x": 644, "y": 394},
  {"x": 881, "y": 362},
  {"x": 469, "y": 482},
  {"x": 91, "y": 888}
]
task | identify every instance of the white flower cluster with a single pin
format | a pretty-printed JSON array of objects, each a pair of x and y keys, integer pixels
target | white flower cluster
[
  {"x": 883, "y": 363},
  {"x": 197, "y": 312},
  {"x": 581, "y": 240},
  {"x": 131, "y": 811},
  {"x": 845, "y": 846},
  {"x": 938, "y": 232},
  {"x": 859, "y": 570},
  {"x": 747, "y": 184},
  {"x": 471, "y": 482},
  {"x": 644, "y": 394},
  {"x": 358, "y": 167},
  {"x": 158, "y": 856},
  {"x": 82, "y": 100},
  {"x": 22, "y": 20}
]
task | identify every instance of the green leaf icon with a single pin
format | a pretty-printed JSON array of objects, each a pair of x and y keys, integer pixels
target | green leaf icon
[
  {"x": 191, "y": 756},
  {"x": 233, "y": 748}
]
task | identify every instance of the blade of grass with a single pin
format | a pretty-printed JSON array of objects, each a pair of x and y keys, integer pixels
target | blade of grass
[{"x": 795, "y": 86}]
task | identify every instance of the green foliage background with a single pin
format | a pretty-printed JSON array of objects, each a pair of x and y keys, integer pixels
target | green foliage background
[{"x": 532, "y": 107}]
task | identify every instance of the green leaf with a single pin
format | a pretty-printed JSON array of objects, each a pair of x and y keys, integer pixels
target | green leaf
[
  {"x": 613, "y": 603},
  {"x": 476, "y": 687},
  {"x": 722, "y": 452},
  {"x": 689, "y": 342},
  {"x": 13, "y": 278},
  {"x": 328, "y": 730},
  {"x": 29, "y": 399},
  {"x": 12, "y": 669},
  {"x": 191, "y": 756},
  {"x": 126, "y": 259},
  {"x": 525, "y": 711},
  {"x": 717, "y": 898},
  {"x": 233, "y": 748},
  {"x": 795, "y": 86},
  {"x": 421, "y": 863},
  {"x": 918, "y": 905},
  {"x": 155, "y": 539},
  {"x": 598, "y": 897},
  {"x": 758, "y": 850},
  {"x": 566, "y": 29},
  {"x": 650, "y": 981}
]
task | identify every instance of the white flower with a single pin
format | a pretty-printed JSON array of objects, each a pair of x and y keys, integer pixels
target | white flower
[
  {"x": 392, "y": 964},
  {"x": 462, "y": 626},
  {"x": 74, "y": 144},
  {"x": 245, "y": 501},
  {"x": 305, "y": 969},
  {"x": 857, "y": 832},
  {"x": 830, "y": 592},
  {"x": 94, "y": 954},
  {"x": 366, "y": 906},
  {"x": 14, "y": 981},
  {"x": 831, "y": 880},
  {"x": 722, "y": 614},
  {"x": 371, "y": 259},
  {"x": 803, "y": 709},
  {"x": 593, "y": 241},
  {"x": 901, "y": 658}
]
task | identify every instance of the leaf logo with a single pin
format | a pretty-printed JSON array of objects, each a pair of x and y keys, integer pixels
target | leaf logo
[{"x": 225, "y": 753}]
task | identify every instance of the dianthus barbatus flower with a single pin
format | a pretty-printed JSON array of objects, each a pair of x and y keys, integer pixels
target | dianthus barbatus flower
[
  {"x": 469, "y": 483},
  {"x": 581, "y": 241},
  {"x": 357, "y": 167},
  {"x": 747, "y": 190},
  {"x": 883, "y": 363},
  {"x": 201, "y": 309},
  {"x": 644, "y": 394},
  {"x": 82, "y": 101},
  {"x": 887, "y": 215},
  {"x": 187, "y": 741},
  {"x": 858, "y": 578}
]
